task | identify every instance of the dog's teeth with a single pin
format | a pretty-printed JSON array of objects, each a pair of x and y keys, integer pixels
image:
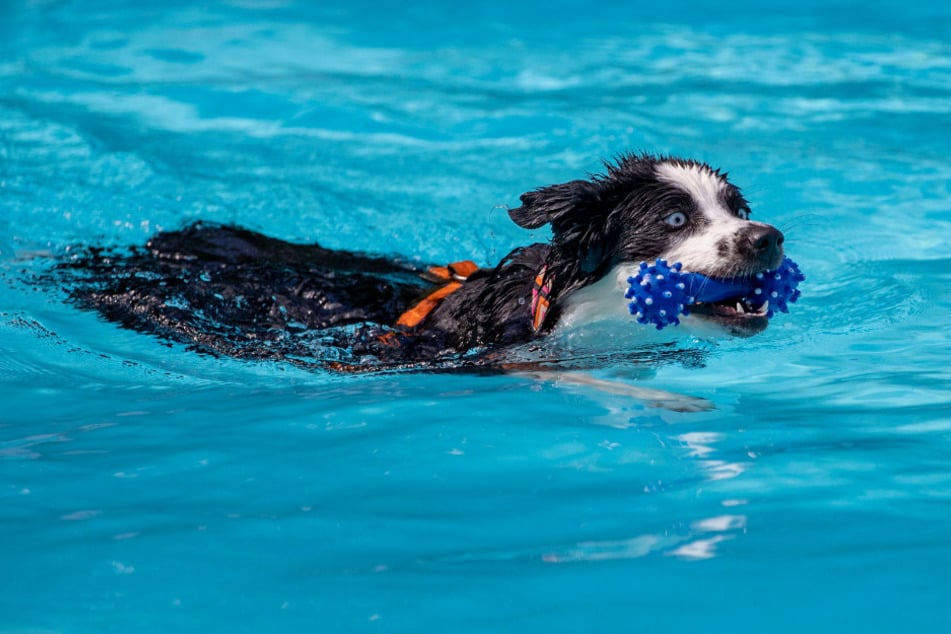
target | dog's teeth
[
  {"x": 764, "y": 308},
  {"x": 740, "y": 309}
]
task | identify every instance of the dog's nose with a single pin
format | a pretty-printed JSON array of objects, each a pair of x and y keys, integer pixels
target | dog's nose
[{"x": 767, "y": 243}]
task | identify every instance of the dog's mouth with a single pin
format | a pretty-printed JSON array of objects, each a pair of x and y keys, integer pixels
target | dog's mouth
[
  {"x": 736, "y": 313},
  {"x": 743, "y": 303}
]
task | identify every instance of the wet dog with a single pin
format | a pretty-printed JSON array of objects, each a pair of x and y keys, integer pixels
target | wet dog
[{"x": 227, "y": 290}]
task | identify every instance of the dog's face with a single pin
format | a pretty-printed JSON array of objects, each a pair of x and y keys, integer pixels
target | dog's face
[
  {"x": 646, "y": 208},
  {"x": 711, "y": 232}
]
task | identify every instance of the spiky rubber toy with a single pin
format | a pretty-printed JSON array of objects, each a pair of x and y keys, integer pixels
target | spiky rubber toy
[{"x": 661, "y": 294}]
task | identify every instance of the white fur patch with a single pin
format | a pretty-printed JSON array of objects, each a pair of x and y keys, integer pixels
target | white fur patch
[
  {"x": 700, "y": 251},
  {"x": 603, "y": 300},
  {"x": 702, "y": 183}
]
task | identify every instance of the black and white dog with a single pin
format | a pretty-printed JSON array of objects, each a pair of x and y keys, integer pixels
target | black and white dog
[{"x": 227, "y": 290}]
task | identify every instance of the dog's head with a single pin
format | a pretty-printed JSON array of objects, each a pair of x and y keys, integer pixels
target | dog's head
[{"x": 645, "y": 208}]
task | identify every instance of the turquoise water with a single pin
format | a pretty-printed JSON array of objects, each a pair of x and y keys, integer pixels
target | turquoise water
[{"x": 146, "y": 488}]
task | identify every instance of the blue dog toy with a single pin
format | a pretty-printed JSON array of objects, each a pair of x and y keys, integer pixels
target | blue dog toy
[{"x": 662, "y": 293}]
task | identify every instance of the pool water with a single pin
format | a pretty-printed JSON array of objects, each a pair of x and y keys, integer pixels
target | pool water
[{"x": 147, "y": 488}]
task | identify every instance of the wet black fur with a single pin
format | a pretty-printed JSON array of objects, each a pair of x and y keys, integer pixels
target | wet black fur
[{"x": 232, "y": 291}]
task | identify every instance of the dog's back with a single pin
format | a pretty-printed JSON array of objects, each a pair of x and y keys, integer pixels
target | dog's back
[{"x": 233, "y": 291}]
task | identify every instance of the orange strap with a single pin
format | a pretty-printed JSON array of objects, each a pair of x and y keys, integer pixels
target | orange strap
[
  {"x": 455, "y": 273},
  {"x": 458, "y": 271}
]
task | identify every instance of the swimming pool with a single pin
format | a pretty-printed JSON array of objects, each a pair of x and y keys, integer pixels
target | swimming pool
[{"x": 147, "y": 488}]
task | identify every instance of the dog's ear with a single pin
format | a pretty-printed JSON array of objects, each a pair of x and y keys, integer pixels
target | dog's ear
[{"x": 556, "y": 204}]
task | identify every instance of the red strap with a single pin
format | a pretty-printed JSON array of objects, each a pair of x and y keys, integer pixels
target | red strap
[{"x": 541, "y": 292}]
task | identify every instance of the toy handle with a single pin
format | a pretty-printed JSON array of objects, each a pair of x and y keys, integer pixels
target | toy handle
[{"x": 708, "y": 289}]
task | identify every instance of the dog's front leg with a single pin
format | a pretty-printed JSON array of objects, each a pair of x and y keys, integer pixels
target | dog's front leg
[{"x": 650, "y": 396}]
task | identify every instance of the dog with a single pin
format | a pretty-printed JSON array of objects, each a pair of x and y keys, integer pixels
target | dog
[{"x": 226, "y": 290}]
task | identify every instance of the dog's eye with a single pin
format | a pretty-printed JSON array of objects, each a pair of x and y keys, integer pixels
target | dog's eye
[
  {"x": 743, "y": 213},
  {"x": 676, "y": 219}
]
